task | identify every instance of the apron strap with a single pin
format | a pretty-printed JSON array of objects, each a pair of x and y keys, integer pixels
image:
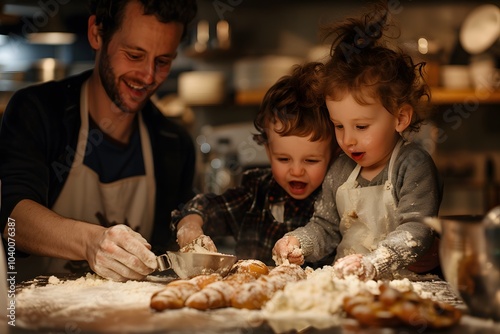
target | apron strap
[
  {"x": 394, "y": 155},
  {"x": 147, "y": 153},
  {"x": 84, "y": 128},
  {"x": 354, "y": 174}
]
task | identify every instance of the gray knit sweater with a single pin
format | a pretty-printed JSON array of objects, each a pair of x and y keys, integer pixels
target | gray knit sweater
[{"x": 417, "y": 192}]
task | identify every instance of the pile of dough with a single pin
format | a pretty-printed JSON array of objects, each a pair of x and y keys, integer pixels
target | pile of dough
[
  {"x": 254, "y": 295},
  {"x": 202, "y": 244}
]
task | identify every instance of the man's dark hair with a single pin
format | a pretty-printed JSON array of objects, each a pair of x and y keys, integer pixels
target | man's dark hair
[{"x": 110, "y": 13}]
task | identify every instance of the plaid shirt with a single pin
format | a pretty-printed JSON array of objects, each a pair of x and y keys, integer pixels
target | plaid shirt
[{"x": 244, "y": 212}]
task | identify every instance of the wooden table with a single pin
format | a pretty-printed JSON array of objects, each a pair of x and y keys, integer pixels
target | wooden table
[{"x": 124, "y": 308}]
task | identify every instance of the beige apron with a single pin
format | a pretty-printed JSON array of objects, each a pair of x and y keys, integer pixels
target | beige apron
[
  {"x": 367, "y": 214},
  {"x": 128, "y": 200},
  {"x": 84, "y": 197}
]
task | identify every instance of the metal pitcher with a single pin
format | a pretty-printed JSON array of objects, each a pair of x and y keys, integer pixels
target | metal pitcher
[{"x": 470, "y": 258}]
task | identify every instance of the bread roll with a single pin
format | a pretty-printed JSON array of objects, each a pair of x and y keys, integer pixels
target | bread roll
[
  {"x": 394, "y": 308},
  {"x": 255, "y": 294},
  {"x": 218, "y": 294},
  {"x": 176, "y": 292},
  {"x": 255, "y": 268}
]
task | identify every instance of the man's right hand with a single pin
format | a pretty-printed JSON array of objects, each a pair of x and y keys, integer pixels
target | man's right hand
[
  {"x": 121, "y": 254},
  {"x": 116, "y": 253}
]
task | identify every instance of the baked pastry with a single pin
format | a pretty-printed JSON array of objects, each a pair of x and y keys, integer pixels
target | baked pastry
[
  {"x": 255, "y": 268},
  {"x": 395, "y": 308},
  {"x": 218, "y": 294},
  {"x": 255, "y": 294},
  {"x": 177, "y": 292},
  {"x": 368, "y": 310}
]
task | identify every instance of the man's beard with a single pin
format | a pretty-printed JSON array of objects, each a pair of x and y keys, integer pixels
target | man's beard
[{"x": 109, "y": 82}]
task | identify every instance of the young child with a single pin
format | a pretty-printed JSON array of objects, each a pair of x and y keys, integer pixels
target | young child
[
  {"x": 293, "y": 124},
  {"x": 374, "y": 193}
]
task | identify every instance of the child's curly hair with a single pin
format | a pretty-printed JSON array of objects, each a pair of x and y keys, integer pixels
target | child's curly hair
[
  {"x": 297, "y": 103},
  {"x": 363, "y": 66}
]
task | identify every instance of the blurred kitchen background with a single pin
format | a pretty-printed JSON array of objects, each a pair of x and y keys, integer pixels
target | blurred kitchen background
[{"x": 236, "y": 49}]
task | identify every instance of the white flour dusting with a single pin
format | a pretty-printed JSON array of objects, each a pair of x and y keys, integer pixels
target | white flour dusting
[
  {"x": 318, "y": 299},
  {"x": 85, "y": 296},
  {"x": 94, "y": 304},
  {"x": 91, "y": 303}
]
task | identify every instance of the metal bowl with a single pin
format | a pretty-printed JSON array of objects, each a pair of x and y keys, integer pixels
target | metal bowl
[
  {"x": 191, "y": 264},
  {"x": 470, "y": 261}
]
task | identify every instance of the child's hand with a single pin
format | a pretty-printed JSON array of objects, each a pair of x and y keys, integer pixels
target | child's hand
[
  {"x": 355, "y": 264},
  {"x": 201, "y": 244},
  {"x": 287, "y": 250},
  {"x": 188, "y": 229}
]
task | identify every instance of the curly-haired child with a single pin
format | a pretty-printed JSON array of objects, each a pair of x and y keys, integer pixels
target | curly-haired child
[
  {"x": 294, "y": 127},
  {"x": 376, "y": 191}
]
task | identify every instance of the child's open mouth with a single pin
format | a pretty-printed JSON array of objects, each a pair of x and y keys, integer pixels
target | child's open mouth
[
  {"x": 297, "y": 185},
  {"x": 356, "y": 156},
  {"x": 297, "y": 188}
]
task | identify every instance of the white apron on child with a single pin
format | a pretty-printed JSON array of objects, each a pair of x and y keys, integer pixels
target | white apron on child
[
  {"x": 367, "y": 214},
  {"x": 129, "y": 200}
]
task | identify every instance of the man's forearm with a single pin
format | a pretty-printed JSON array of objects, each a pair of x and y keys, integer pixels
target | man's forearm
[{"x": 40, "y": 231}]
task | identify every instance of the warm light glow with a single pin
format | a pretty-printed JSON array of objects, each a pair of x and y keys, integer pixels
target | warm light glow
[
  {"x": 202, "y": 36},
  {"x": 223, "y": 36},
  {"x": 423, "y": 46},
  {"x": 52, "y": 38}
]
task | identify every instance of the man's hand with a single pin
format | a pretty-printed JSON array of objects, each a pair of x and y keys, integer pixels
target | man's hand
[
  {"x": 121, "y": 254},
  {"x": 287, "y": 250},
  {"x": 355, "y": 264}
]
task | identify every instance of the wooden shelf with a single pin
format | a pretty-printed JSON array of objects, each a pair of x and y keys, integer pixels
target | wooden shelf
[
  {"x": 439, "y": 96},
  {"x": 249, "y": 97},
  {"x": 447, "y": 96}
]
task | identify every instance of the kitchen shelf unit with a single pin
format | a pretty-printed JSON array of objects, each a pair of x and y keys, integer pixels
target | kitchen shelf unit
[
  {"x": 448, "y": 96},
  {"x": 440, "y": 96}
]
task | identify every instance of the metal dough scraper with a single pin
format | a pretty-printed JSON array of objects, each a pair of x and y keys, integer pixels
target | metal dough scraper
[{"x": 190, "y": 264}]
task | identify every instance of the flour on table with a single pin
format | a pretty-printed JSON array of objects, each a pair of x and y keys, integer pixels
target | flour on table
[
  {"x": 318, "y": 300},
  {"x": 93, "y": 304},
  {"x": 84, "y": 297}
]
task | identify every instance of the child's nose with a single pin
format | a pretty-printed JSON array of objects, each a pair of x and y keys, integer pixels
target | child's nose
[
  {"x": 349, "y": 138},
  {"x": 297, "y": 169}
]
